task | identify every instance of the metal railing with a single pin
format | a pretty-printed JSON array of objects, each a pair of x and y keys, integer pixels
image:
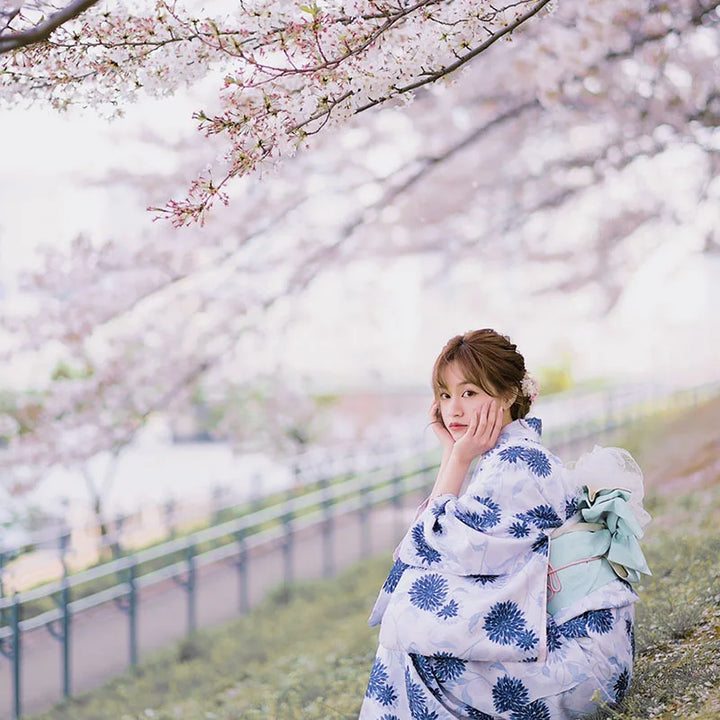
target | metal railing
[
  {"x": 184, "y": 556},
  {"x": 179, "y": 559},
  {"x": 120, "y": 534}
]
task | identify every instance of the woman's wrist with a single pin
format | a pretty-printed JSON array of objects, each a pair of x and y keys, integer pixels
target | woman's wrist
[
  {"x": 461, "y": 456},
  {"x": 453, "y": 475}
]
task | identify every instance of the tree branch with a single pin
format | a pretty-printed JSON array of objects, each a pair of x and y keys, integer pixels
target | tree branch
[
  {"x": 45, "y": 28},
  {"x": 434, "y": 76}
]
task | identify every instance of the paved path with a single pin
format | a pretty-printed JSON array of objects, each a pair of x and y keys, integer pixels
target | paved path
[{"x": 99, "y": 637}]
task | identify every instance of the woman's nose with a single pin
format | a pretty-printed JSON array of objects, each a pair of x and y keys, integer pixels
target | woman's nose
[{"x": 455, "y": 406}]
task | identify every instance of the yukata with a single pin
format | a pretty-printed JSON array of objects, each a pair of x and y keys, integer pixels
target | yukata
[{"x": 512, "y": 601}]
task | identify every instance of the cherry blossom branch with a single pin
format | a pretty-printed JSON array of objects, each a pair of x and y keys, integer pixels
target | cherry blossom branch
[
  {"x": 463, "y": 60},
  {"x": 45, "y": 28}
]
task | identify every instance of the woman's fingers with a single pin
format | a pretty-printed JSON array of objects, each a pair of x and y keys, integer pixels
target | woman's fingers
[
  {"x": 497, "y": 423},
  {"x": 485, "y": 416}
]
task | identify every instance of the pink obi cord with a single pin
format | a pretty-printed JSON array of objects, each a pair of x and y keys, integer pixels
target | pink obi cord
[{"x": 554, "y": 585}]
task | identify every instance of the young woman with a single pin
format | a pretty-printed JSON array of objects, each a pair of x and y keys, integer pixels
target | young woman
[{"x": 511, "y": 599}]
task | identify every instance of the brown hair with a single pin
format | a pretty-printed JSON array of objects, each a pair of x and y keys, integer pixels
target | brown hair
[{"x": 489, "y": 360}]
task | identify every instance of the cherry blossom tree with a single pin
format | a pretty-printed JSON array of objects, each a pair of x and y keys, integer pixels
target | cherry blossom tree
[
  {"x": 288, "y": 70},
  {"x": 488, "y": 150}
]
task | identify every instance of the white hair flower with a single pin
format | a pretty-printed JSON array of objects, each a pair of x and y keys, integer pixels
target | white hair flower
[{"x": 530, "y": 387}]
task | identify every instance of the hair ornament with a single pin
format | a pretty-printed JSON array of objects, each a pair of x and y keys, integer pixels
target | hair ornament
[{"x": 530, "y": 386}]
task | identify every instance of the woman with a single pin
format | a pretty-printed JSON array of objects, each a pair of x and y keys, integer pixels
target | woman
[{"x": 511, "y": 599}]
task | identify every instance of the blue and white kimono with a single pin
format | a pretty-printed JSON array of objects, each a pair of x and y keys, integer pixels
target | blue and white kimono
[{"x": 466, "y": 628}]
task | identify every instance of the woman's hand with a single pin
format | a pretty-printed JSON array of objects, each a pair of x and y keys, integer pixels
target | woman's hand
[
  {"x": 441, "y": 432},
  {"x": 482, "y": 432}
]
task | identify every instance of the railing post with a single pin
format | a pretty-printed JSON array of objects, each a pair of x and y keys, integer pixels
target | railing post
[
  {"x": 217, "y": 502},
  {"x": 397, "y": 500},
  {"x": 64, "y": 547},
  {"x": 192, "y": 614},
  {"x": 327, "y": 529},
  {"x": 2, "y": 582},
  {"x": 65, "y": 605},
  {"x": 169, "y": 508},
  {"x": 365, "y": 521},
  {"x": 287, "y": 519},
  {"x": 16, "y": 652},
  {"x": 132, "y": 611},
  {"x": 241, "y": 565},
  {"x": 116, "y": 545}
]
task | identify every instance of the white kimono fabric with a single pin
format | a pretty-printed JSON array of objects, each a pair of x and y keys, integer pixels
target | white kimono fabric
[{"x": 465, "y": 631}]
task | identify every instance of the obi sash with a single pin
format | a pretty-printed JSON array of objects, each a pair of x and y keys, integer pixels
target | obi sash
[{"x": 587, "y": 553}]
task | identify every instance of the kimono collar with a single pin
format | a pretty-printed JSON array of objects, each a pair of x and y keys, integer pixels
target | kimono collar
[{"x": 529, "y": 428}]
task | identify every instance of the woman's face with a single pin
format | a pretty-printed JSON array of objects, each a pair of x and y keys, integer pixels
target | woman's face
[{"x": 459, "y": 400}]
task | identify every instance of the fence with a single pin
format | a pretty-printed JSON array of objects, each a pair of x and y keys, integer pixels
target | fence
[
  {"x": 78, "y": 539},
  {"x": 123, "y": 580}
]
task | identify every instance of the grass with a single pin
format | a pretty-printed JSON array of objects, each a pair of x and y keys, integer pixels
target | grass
[
  {"x": 307, "y": 653},
  {"x": 302, "y": 654}
]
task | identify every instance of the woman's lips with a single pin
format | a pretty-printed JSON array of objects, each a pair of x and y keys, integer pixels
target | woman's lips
[{"x": 457, "y": 426}]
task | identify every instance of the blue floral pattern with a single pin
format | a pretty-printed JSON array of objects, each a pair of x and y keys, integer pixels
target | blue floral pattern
[
  {"x": 519, "y": 529},
  {"x": 596, "y": 621},
  {"x": 538, "y": 462},
  {"x": 527, "y": 640},
  {"x": 378, "y": 677},
  {"x": 554, "y": 636},
  {"x": 484, "y": 579},
  {"x": 481, "y": 521},
  {"x": 394, "y": 577},
  {"x": 600, "y": 621},
  {"x": 474, "y": 714},
  {"x": 541, "y": 544},
  {"x": 424, "y": 669},
  {"x": 509, "y": 694},
  {"x": 542, "y": 517},
  {"x": 416, "y": 700},
  {"x": 630, "y": 630},
  {"x": 446, "y": 667},
  {"x": 536, "y": 710},
  {"x": 386, "y": 695},
  {"x": 574, "y": 628},
  {"x": 512, "y": 454},
  {"x": 491, "y": 516},
  {"x": 449, "y": 611},
  {"x": 438, "y": 509},
  {"x": 505, "y": 624},
  {"x": 424, "y": 550},
  {"x": 535, "y": 424},
  {"x": 621, "y": 685},
  {"x": 428, "y": 592},
  {"x": 571, "y": 506},
  {"x": 378, "y": 686}
]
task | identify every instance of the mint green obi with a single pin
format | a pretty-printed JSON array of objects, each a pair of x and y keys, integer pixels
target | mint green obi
[{"x": 587, "y": 554}]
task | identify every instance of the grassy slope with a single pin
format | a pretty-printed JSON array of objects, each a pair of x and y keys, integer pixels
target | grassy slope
[{"x": 308, "y": 655}]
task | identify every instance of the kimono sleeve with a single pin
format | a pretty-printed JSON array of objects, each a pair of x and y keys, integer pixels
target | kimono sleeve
[
  {"x": 506, "y": 512},
  {"x": 471, "y": 573}
]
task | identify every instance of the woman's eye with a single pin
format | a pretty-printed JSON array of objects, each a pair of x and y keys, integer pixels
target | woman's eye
[
  {"x": 469, "y": 393},
  {"x": 444, "y": 396}
]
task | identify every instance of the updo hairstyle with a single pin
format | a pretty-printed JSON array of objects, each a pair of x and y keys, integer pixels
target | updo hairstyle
[{"x": 489, "y": 360}]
